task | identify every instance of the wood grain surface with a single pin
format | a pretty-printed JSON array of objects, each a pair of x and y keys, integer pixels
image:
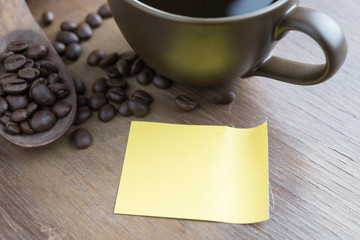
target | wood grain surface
[{"x": 58, "y": 192}]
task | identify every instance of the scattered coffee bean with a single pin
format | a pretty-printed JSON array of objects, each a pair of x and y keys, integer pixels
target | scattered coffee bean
[
  {"x": 94, "y": 20},
  {"x": 67, "y": 37},
  {"x": 59, "y": 48},
  {"x": 79, "y": 86},
  {"x": 141, "y": 94},
  {"x": 36, "y": 52},
  {"x": 53, "y": 78},
  {"x": 37, "y": 81},
  {"x": 16, "y": 102},
  {"x": 14, "y": 62},
  {"x": 5, "y": 77},
  {"x": 43, "y": 95},
  {"x": 120, "y": 83},
  {"x": 109, "y": 60},
  {"x": 47, "y": 18},
  {"x": 81, "y": 138},
  {"x": 81, "y": 100},
  {"x": 42, "y": 120},
  {"x": 136, "y": 66},
  {"x": 19, "y": 115},
  {"x": 61, "y": 109},
  {"x": 46, "y": 67},
  {"x": 83, "y": 31},
  {"x": 97, "y": 100},
  {"x": 17, "y": 46},
  {"x": 73, "y": 51},
  {"x": 129, "y": 57},
  {"x": 112, "y": 72},
  {"x": 162, "y": 82},
  {"x": 116, "y": 95},
  {"x": 4, "y": 119},
  {"x": 15, "y": 86},
  {"x": 68, "y": 26},
  {"x": 138, "y": 107},
  {"x": 124, "y": 110},
  {"x": 104, "y": 11},
  {"x": 32, "y": 107},
  {"x": 185, "y": 103},
  {"x": 145, "y": 76},
  {"x": 106, "y": 113},
  {"x": 100, "y": 85},
  {"x": 82, "y": 115},
  {"x": 59, "y": 89},
  {"x": 95, "y": 57},
  {"x": 25, "y": 128},
  {"x": 225, "y": 98},
  {"x": 4, "y": 106},
  {"x": 12, "y": 128},
  {"x": 122, "y": 67},
  {"x": 4, "y": 55},
  {"x": 29, "y": 63},
  {"x": 28, "y": 73}
]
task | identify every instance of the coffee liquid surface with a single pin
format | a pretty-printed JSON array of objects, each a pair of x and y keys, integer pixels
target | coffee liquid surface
[{"x": 208, "y": 8}]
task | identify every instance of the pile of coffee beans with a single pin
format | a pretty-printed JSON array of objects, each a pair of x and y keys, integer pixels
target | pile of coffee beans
[{"x": 31, "y": 90}]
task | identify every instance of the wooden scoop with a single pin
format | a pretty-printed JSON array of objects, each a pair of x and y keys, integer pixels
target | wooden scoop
[{"x": 17, "y": 23}]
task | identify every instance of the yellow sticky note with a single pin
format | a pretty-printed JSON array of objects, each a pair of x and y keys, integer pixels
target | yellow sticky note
[{"x": 213, "y": 173}]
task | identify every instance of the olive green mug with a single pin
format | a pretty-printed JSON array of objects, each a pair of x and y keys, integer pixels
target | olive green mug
[{"x": 208, "y": 51}]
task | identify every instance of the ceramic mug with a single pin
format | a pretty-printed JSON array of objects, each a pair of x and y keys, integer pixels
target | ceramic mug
[{"x": 208, "y": 51}]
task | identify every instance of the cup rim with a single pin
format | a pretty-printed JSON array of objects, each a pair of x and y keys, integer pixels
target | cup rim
[{"x": 178, "y": 17}]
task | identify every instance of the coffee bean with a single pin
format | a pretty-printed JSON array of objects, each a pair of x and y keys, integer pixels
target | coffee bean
[
  {"x": 117, "y": 95},
  {"x": 185, "y": 103},
  {"x": 37, "y": 51},
  {"x": 42, "y": 120},
  {"x": 129, "y": 57},
  {"x": 73, "y": 51},
  {"x": 81, "y": 100},
  {"x": 138, "y": 107},
  {"x": 15, "y": 86},
  {"x": 99, "y": 85},
  {"x": 4, "y": 55},
  {"x": 141, "y": 94},
  {"x": 109, "y": 60},
  {"x": 104, "y": 11},
  {"x": 59, "y": 48},
  {"x": 32, "y": 107},
  {"x": 225, "y": 98},
  {"x": 5, "y": 77},
  {"x": 112, "y": 72},
  {"x": 145, "y": 76},
  {"x": 43, "y": 95},
  {"x": 4, "y": 119},
  {"x": 67, "y": 37},
  {"x": 12, "y": 128},
  {"x": 19, "y": 115},
  {"x": 79, "y": 86},
  {"x": 4, "y": 106},
  {"x": 36, "y": 81},
  {"x": 16, "y": 102},
  {"x": 106, "y": 113},
  {"x": 162, "y": 82},
  {"x": 122, "y": 67},
  {"x": 95, "y": 57},
  {"x": 29, "y": 63},
  {"x": 120, "y": 83},
  {"x": 61, "y": 109},
  {"x": 94, "y": 20},
  {"x": 53, "y": 78},
  {"x": 28, "y": 73},
  {"x": 17, "y": 46},
  {"x": 81, "y": 138},
  {"x": 124, "y": 110},
  {"x": 82, "y": 115},
  {"x": 47, "y": 18},
  {"x": 46, "y": 67},
  {"x": 83, "y": 31},
  {"x": 97, "y": 100},
  {"x": 59, "y": 89},
  {"x": 68, "y": 26},
  {"x": 14, "y": 62},
  {"x": 25, "y": 128},
  {"x": 136, "y": 66}
]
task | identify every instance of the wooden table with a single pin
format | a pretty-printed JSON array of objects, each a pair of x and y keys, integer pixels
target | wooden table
[{"x": 59, "y": 192}]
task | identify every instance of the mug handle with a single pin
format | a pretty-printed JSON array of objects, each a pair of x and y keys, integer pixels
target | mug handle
[{"x": 324, "y": 30}]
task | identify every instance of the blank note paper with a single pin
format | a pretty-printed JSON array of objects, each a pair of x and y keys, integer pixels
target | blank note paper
[{"x": 213, "y": 173}]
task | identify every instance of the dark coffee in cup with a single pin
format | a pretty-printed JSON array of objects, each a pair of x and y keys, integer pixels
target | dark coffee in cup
[{"x": 209, "y": 8}]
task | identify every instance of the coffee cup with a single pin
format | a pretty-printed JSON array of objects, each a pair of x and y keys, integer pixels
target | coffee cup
[{"x": 209, "y": 50}]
